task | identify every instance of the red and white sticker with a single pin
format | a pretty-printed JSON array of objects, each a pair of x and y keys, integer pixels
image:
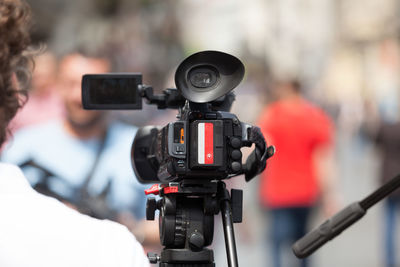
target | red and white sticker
[{"x": 205, "y": 143}]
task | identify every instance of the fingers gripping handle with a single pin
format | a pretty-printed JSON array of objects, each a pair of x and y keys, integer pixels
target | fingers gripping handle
[{"x": 328, "y": 230}]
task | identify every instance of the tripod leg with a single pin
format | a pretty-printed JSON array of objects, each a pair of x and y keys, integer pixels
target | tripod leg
[{"x": 227, "y": 222}]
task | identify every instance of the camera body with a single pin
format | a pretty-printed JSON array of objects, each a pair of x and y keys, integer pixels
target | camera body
[
  {"x": 204, "y": 143},
  {"x": 200, "y": 145}
]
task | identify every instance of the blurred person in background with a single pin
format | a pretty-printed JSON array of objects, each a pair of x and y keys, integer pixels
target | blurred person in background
[
  {"x": 37, "y": 230},
  {"x": 385, "y": 134},
  {"x": 388, "y": 141},
  {"x": 44, "y": 103},
  {"x": 292, "y": 184},
  {"x": 84, "y": 158}
]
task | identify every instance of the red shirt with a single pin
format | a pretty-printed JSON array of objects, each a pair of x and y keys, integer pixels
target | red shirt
[{"x": 296, "y": 128}]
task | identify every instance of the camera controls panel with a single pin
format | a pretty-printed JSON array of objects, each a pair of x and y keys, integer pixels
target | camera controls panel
[
  {"x": 177, "y": 139},
  {"x": 235, "y": 154}
]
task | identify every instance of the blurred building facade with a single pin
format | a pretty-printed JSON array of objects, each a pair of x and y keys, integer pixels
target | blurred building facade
[{"x": 332, "y": 46}]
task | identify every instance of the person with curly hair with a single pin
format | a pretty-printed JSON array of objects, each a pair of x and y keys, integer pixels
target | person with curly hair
[
  {"x": 36, "y": 230},
  {"x": 14, "y": 41}
]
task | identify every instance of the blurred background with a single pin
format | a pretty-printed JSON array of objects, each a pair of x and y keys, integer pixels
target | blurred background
[{"x": 345, "y": 53}]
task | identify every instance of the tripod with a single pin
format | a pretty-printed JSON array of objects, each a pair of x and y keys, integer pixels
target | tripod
[{"x": 186, "y": 221}]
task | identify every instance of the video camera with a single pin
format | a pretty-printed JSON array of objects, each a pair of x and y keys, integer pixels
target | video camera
[
  {"x": 190, "y": 156},
  {"x": 205, "y": 141}
]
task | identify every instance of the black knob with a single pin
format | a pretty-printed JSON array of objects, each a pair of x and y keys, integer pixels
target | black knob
[
  {"x": 236, "y": 166},
  {"x": 235, "y": 142},
  {"x": 270, "y": 151},
  {"x": 153, "y": 257},
  {"x": 236, "y": 154},
  {"x": 151, "y": 206},
  {"x": 196, "y": 241}
]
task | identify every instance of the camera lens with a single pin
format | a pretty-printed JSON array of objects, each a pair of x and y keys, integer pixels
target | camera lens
[{"x": 203, "y": 77}]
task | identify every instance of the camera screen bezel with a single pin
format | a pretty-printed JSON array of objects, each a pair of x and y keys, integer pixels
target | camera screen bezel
[{"x": 86, "y": 102}]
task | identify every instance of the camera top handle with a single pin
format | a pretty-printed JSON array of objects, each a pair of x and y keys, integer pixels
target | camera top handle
[{"x": 171, "y": 97}]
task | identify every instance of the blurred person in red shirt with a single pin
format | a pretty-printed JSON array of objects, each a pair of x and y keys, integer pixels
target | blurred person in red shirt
[
  {"x": 44, "y": 102},
  {"x": 291, "y": 186}
]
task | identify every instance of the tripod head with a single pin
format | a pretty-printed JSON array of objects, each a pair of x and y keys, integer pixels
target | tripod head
[{"x": 186, "y": 221}]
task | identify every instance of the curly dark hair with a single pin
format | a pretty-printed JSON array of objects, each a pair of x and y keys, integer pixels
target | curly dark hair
[{"x": 14, "y": 62}]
